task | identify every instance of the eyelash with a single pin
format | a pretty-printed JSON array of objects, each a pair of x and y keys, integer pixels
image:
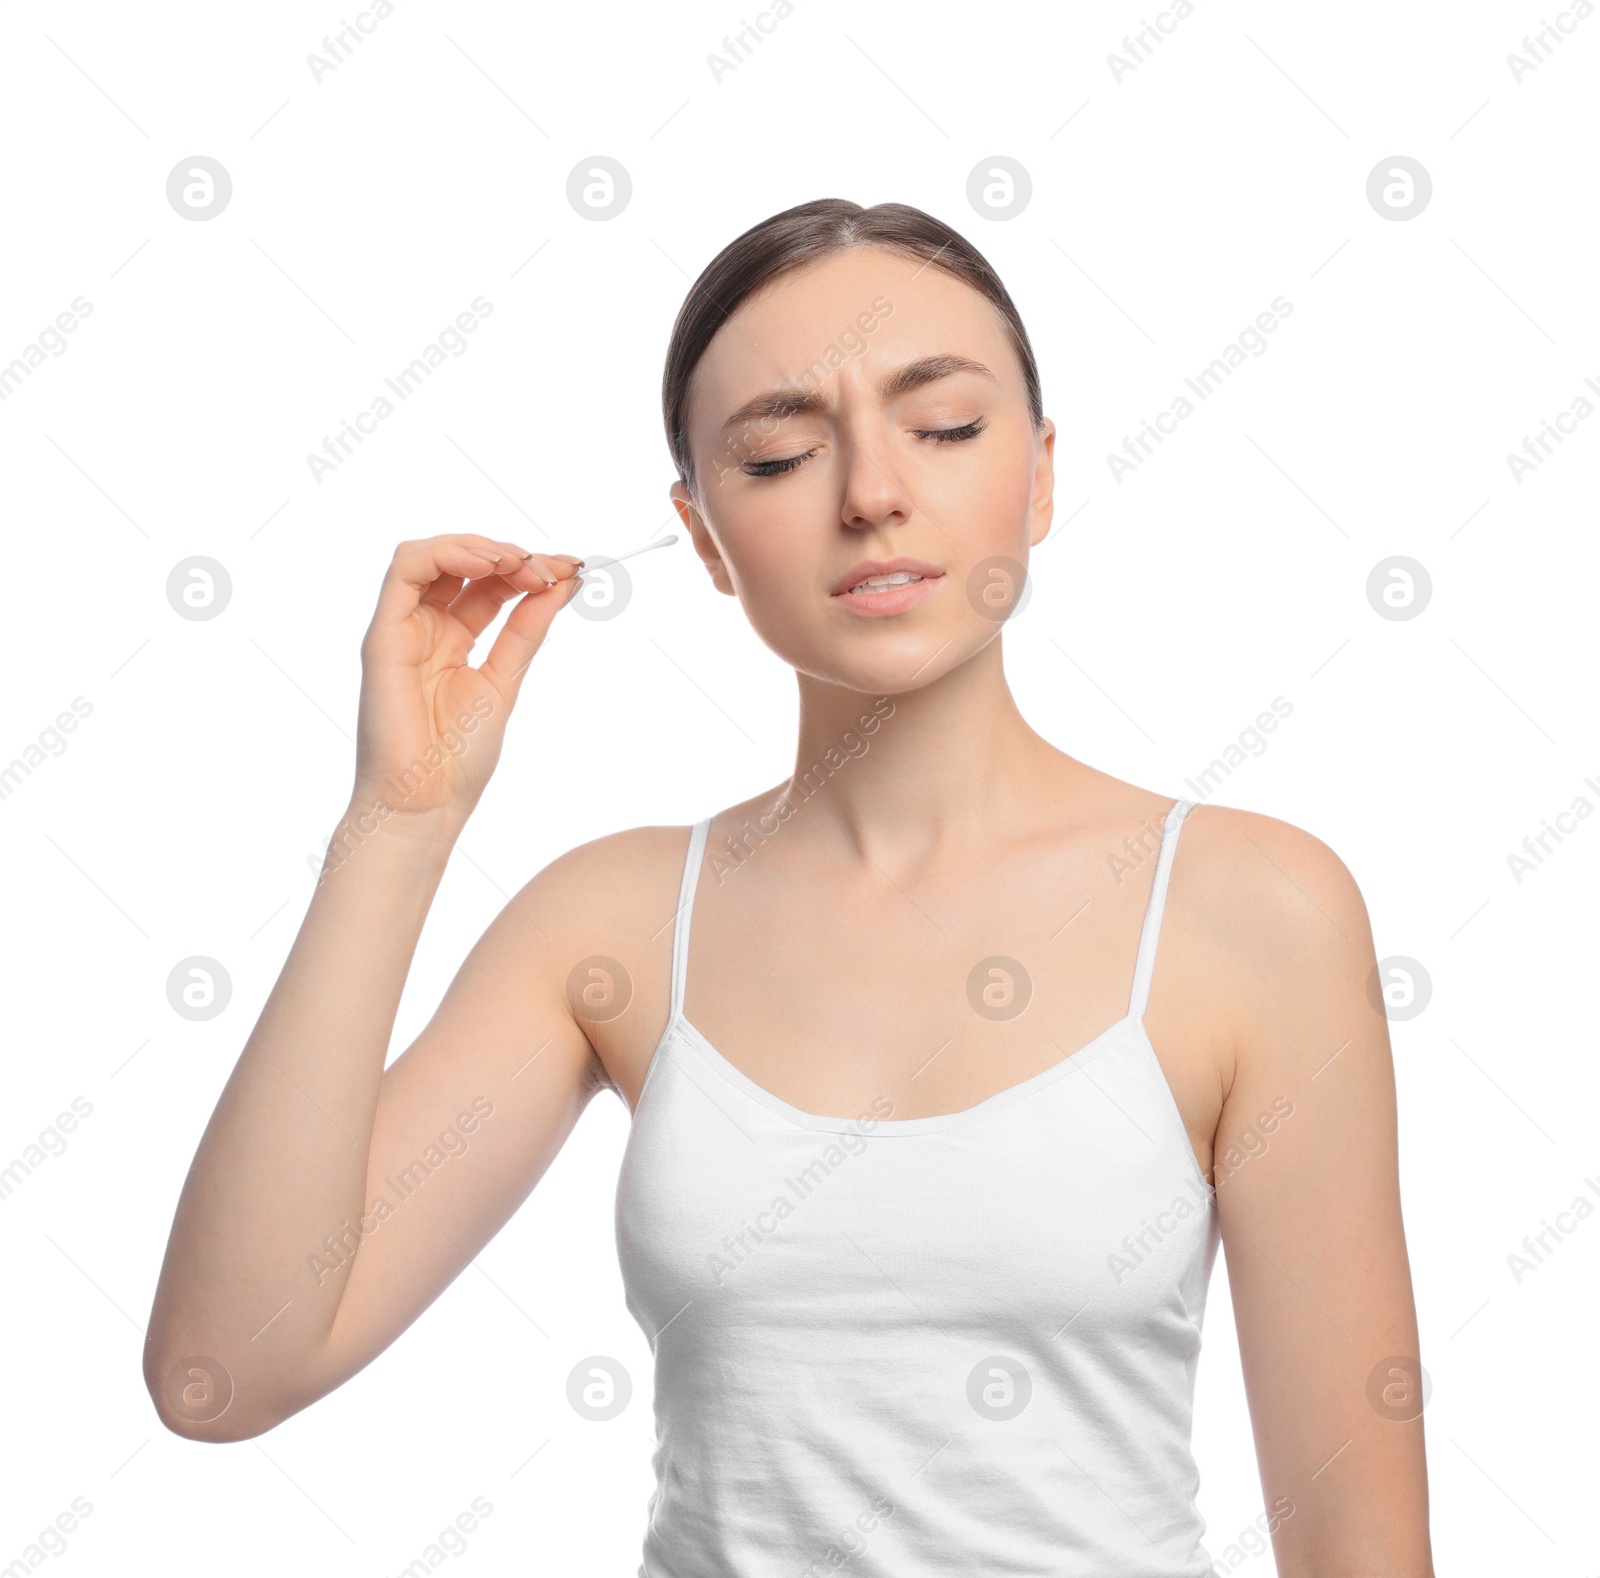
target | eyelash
[{"x": 940, "y": 435}]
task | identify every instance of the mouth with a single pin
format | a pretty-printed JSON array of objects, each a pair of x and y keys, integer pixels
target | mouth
[{"x": 877, "y": 586}]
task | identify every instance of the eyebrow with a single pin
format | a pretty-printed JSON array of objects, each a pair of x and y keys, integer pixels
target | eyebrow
[{"x": 796, "y": 399}]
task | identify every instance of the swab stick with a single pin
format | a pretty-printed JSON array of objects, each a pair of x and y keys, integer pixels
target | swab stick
[{"x": 610, "y": 559}]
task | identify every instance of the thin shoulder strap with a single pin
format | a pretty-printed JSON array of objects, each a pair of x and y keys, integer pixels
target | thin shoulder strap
[
  {"x": 680, "y": 935},
  {"x": 1145, "y": 966}
]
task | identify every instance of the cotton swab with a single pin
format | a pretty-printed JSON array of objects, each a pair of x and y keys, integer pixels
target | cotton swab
[{"x": 606, "y": 561}]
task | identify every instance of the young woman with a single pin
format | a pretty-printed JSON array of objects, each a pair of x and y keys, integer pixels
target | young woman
[{"x": 975, "y": 1054}]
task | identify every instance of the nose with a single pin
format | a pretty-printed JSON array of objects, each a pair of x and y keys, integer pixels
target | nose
[{"x": 875, "y": 492}]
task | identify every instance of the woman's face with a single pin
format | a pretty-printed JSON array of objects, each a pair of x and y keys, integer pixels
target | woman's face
[{"x": 859, "y": 412}]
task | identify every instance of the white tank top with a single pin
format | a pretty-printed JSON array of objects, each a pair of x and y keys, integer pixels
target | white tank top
[{"x": 938, "y": 1345}]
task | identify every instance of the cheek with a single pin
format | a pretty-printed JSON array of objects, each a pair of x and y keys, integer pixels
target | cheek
[
  {"x": 771, "y": 545},
  {"x": 767, "y": 558},
  {"x": 983, "y": 506}
]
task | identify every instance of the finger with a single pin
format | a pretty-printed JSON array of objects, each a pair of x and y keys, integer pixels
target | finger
[
  {"x": 481, "y": 600},
  {"x": 555, "y": 561},
  {"x": 445, "y": 590},
  {"x": 417, "y": 566},
  {"x": 523, "y": 635},
  {"x": 430, "y": 569}
]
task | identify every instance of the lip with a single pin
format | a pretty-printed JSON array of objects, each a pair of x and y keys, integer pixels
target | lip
[
  {"x": 876, "y": 605},
  {"x": 871, "y": 567},
  {"x": 894, "y": 600}
]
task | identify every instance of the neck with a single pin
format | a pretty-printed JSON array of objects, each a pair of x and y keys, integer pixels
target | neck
[{"x": 929, "y": 768}]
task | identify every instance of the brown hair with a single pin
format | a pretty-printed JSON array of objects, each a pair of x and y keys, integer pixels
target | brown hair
[{"x": 806, "y": 234}]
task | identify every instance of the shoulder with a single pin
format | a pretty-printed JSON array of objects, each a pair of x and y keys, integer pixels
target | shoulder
[
  {"x": 611, "y": 886},
  {"x": 1266, "y": 880},
  {"x": 1278, "y": 920},
  {"x": 653, "y": 848},
  {"x": 599, "y": 917}
]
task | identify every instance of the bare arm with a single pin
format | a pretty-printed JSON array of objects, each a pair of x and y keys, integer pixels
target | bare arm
[
  {"x": 1309, "y": 1199},
  {"x": 258, "y": 1310}
]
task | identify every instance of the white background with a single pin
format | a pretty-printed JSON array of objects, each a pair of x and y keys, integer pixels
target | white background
[{"x": 1167, "y": 610}]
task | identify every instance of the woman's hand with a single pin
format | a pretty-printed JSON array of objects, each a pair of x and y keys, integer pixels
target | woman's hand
[{"x": 430, "y": 727}]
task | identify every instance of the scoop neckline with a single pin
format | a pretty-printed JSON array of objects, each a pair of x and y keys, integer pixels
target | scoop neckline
[{"x": 865, "y": 1122}]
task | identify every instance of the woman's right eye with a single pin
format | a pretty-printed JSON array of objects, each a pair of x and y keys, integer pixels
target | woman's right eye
[{"x": 774, "y": 468}]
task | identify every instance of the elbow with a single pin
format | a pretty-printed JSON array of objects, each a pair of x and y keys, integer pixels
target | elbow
[
  {"x": 217, "y": 1431},
  {"x": 197, "y": 1397}
]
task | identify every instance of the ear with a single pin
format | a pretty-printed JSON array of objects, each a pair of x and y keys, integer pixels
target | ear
[
  {"x": 1042, "y": 506},
  {"x": 683, "y": 501}
]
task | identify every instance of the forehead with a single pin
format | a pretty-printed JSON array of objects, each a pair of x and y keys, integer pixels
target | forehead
[{"x": 865, "y": 302}]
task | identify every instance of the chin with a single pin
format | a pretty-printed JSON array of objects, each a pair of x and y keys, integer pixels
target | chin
[{"x": 894, "y": 668}]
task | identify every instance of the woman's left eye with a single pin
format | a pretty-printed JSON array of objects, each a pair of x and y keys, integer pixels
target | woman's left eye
[{"x": 951, "y": 435}]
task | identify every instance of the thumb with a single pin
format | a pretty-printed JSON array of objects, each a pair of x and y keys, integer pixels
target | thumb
[{"x": 529, "y": 623}]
